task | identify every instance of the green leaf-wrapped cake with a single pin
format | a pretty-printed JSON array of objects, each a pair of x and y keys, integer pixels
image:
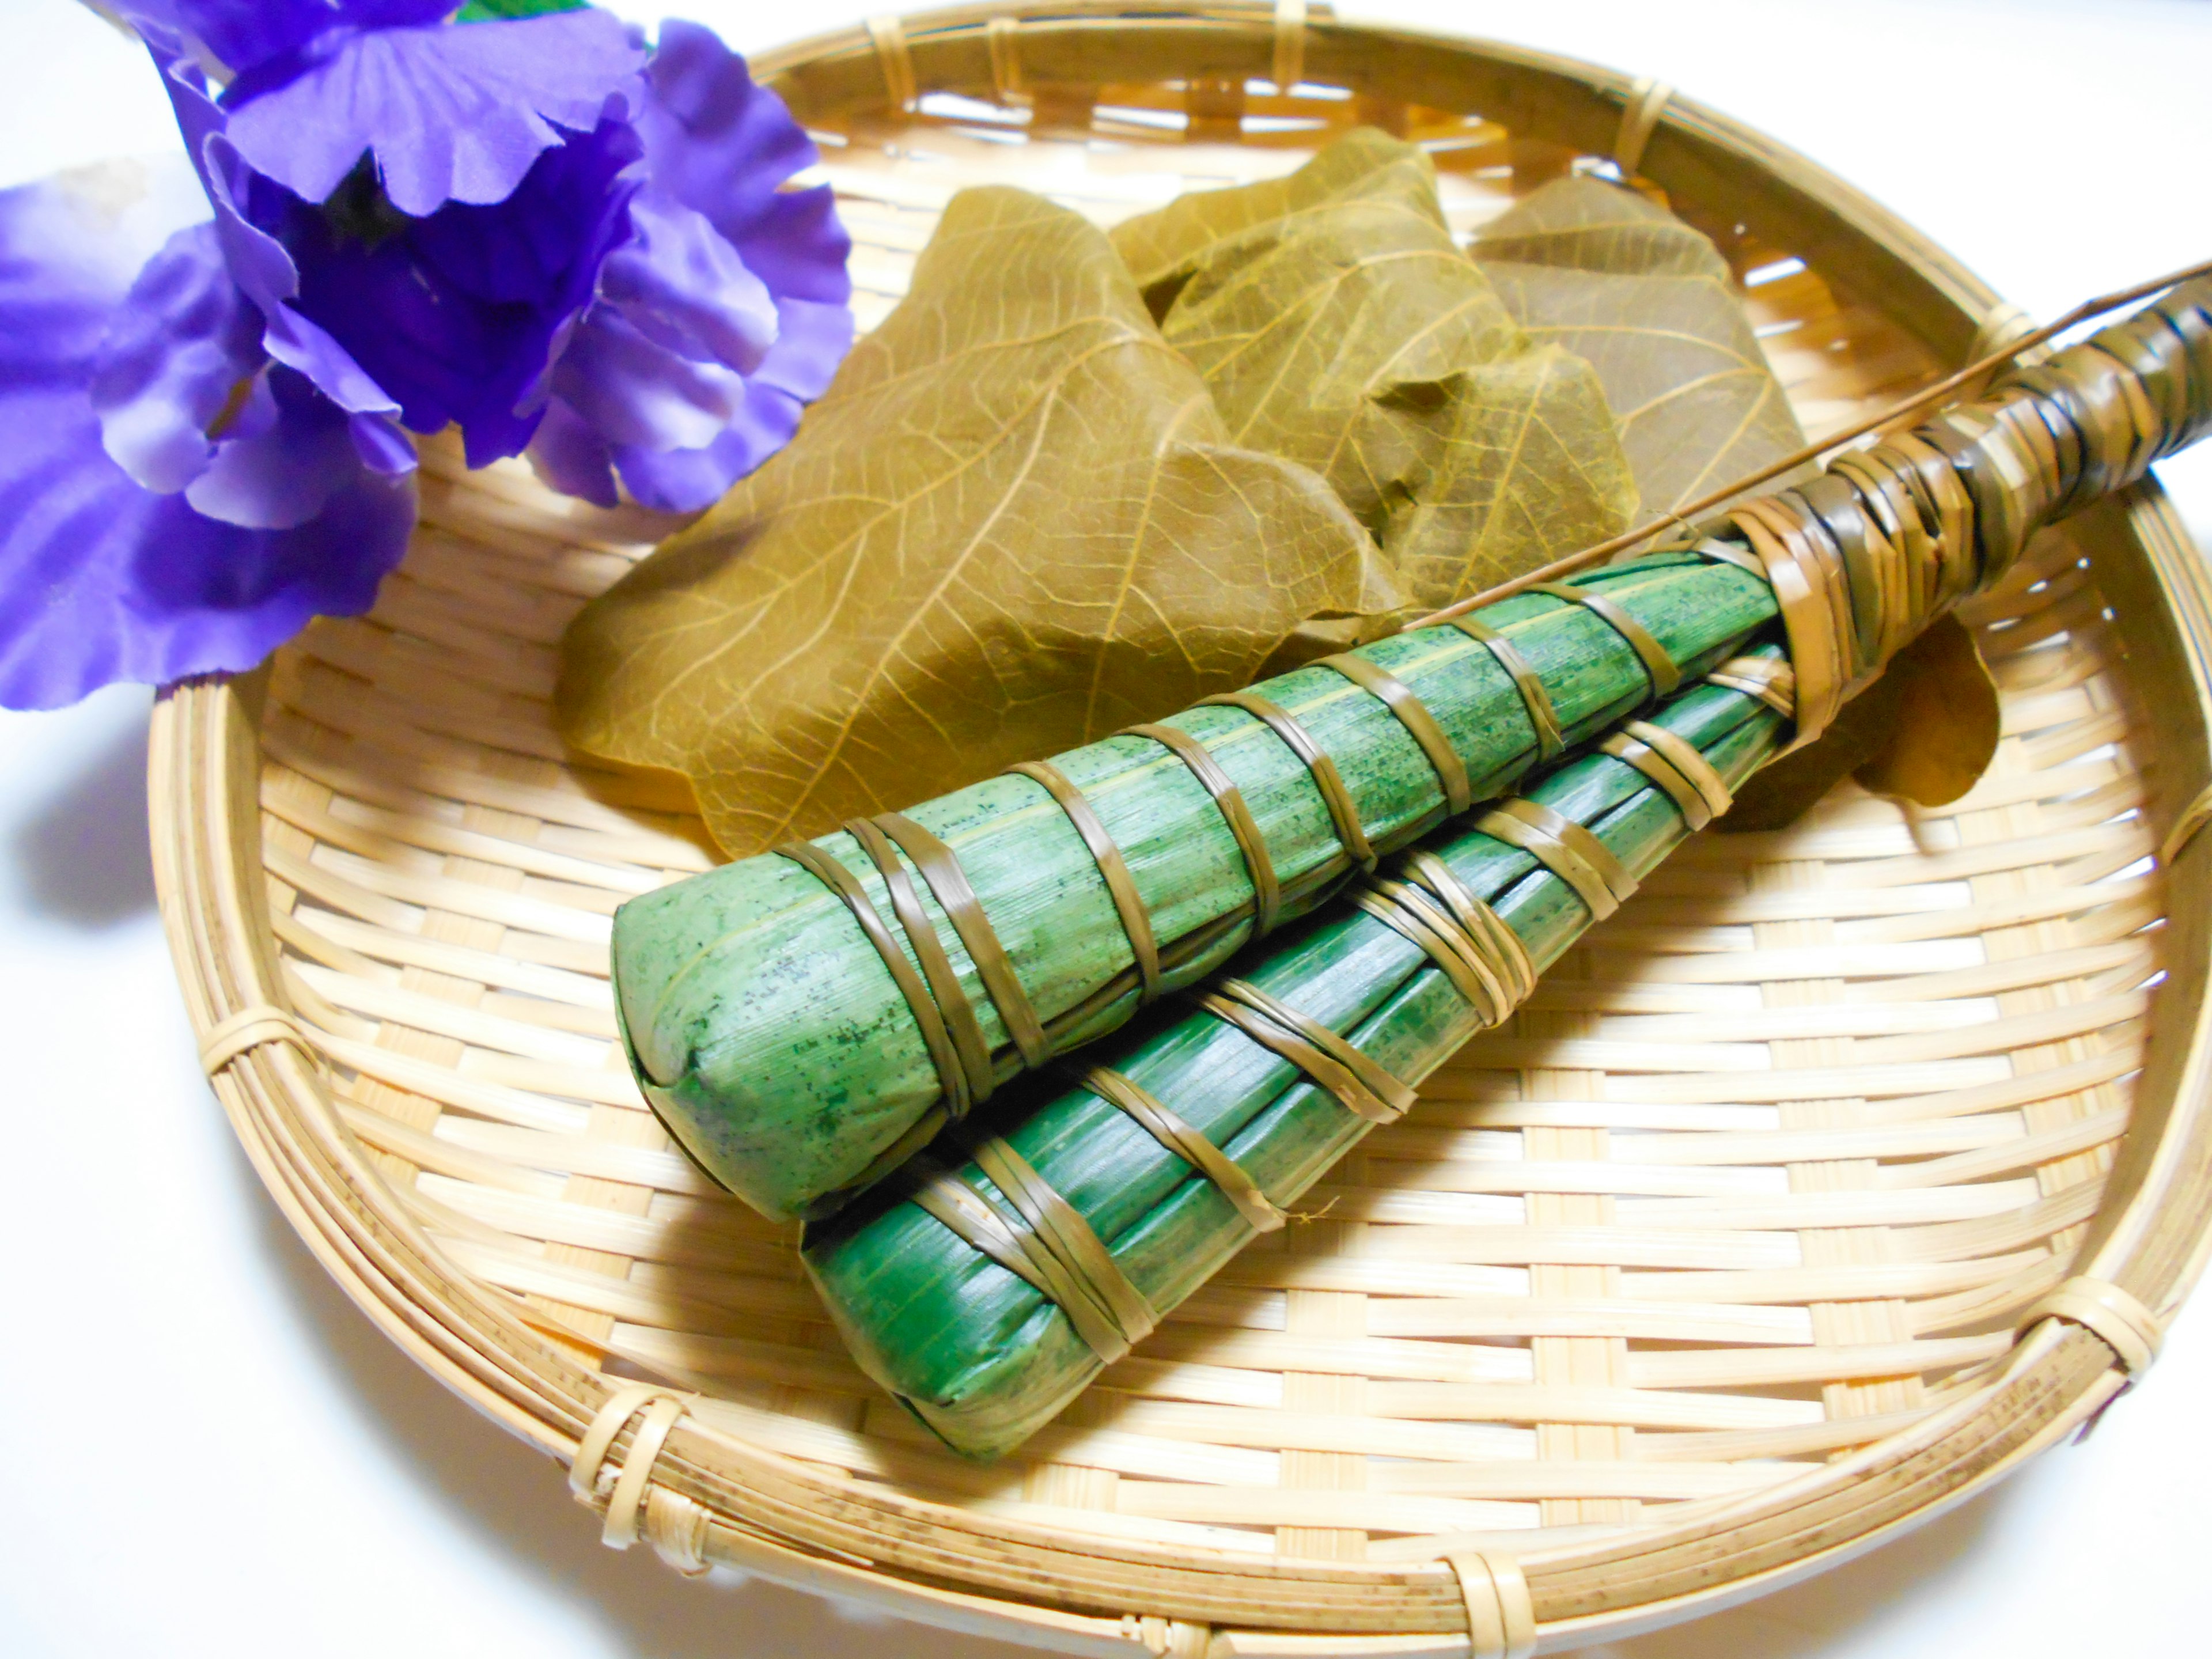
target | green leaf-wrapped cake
[
  {"x": 986, "y": 1297},
  {"x": 803, "y": 1019}
]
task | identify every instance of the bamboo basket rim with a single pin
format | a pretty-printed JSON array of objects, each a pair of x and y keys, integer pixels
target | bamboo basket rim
[{"x": 712, "y": 1496}]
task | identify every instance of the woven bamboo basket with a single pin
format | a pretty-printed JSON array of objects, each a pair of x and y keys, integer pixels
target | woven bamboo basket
[{"x": 1725, "y": 1259}]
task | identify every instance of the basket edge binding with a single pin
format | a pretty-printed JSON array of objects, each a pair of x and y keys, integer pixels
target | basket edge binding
[{"x": 703, "y": 1496}]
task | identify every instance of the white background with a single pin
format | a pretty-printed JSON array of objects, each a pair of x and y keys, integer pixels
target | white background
[{"x": 205, "y": 1449}]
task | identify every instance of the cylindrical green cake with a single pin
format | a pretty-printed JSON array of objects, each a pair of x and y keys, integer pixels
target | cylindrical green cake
[
  {"x": 804, "y": 1022},
  {"x": 771, "y": 1032},
  {"x": 986, "y": 1294},
  {"x": 983, "y": 1355}
]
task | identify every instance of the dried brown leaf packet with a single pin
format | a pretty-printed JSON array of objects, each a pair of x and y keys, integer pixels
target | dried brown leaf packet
[
  {"x": 1337, "y": 323},
  {"x": 1651, "y": 306},
  {"x": 1924, "y": 732},
  {"x": 1015, "y": 523}
]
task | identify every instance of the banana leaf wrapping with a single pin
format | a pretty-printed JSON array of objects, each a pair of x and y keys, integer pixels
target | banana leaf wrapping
[
  {"x": 986, "y": 1307},
  {"x": 986, "y": 1295},
  {"x": 801, "y": 1023}
]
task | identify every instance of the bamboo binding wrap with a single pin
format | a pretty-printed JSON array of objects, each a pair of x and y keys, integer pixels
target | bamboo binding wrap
[{"x": 1928, "y": 1089}]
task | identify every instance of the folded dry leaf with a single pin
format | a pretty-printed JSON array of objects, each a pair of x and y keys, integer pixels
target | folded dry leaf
[
  {"x": 1337, "y": 323},
  {"x": 1016, "y": 524},
  {"x": 1925, "y": 731},
  {"x": 1649, "y": 303}
]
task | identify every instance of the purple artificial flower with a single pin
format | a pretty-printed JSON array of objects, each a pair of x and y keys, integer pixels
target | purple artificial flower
[
  {"x": 724, "y": 315},
  {"x": 501, "y": 226},
  {"x": 504, "y": 227},
  {"x": 262, "y": 513},
  {"x": 419, "y": 208}
]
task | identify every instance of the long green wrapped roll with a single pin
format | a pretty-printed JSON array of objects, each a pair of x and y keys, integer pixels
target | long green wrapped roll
[
  {"x": 801, "y": 1024},
  {"x": 804, "y": 1023},
  {"x": 985, "y": 1308},
  {"x": 986, "y": 1296}
]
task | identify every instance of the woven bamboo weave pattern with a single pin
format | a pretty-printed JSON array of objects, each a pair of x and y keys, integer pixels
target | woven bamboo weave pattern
[
  {"x": 448, "y": 888},
  {"x": 1762, "y": 1177}
]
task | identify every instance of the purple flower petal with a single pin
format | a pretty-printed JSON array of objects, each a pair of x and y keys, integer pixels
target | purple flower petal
[
  {"x": 455, "y": 316},
  {"x": 100, "y": 580},
  {"x": 714, "y": 140},
  {"x": 678, "y": 280},
  {"x": 665, "y": 380},
  {"x": 634, "y": 391},
  {"x": 382, "y": 446},
  {"x": 256, "y": 261},
  {"x": 570, "y": 456},
  {"x": 812, "y": 343},
  {"x": 686, "y": 480},
  {"x": 290, "y": 451},
  {"x": 812, "y": 339},
  {"x": 573, "y": 456},
  {"x": 798, "y": 247},
  {"x": 450, "y": 114},
  {"x": 246, "y": 34},
  {"x": 176, "y": 352}
]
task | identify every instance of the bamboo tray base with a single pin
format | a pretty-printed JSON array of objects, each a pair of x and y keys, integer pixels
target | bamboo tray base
[{"x": 1702, "y": 1272}]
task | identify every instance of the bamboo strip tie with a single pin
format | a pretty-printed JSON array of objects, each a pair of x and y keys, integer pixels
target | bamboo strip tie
[
  {"x": 960, "y": 1073},
  {"x": 248, "y": 1028},
  {"x": 1289, "y": 65},
  {"x": 2113, "y": 1314},
  {"x": 1698, "y": 792},
  {"x": 1543, "y": 719},
  {"x": 1639, "y": 119},
  {"x": 1343, "y": 814},
  {"x": 1658, "y": 667},
  {"x": 887, "y": 32},
  {"x": 676, "y": 1526},
  {"x": 1187, "y": 1142},
  {"x": 1114, "y": 869},
  {"x": 941, "y": 869},
  {"x": 2193, "y": 818},
  {"x": 1420, "y": 725},
  {"x": 1566, "y": 850},
  {"x": 1501, "y": 1615},
  {"x": 1358, "y": 1083},
  {"x": 1258, "y": 864},
  {"x": 1003, "y": 35},
  {"x": 1045, "y": 1241}
]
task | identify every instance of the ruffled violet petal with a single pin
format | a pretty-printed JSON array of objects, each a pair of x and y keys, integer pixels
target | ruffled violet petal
[
  {"x": 631, "y": 389},
  {"x": 100, "y": 580},
  {"x": 257, "y": 262},
  {"x": 797, "y": 247},
  {"x": 450, "y": 114},
  {"x": 178, "y": 351},
  {"x": 813, "y": 340},
  {"x": 570, "y": 456},
  {"x": 678, "y": 280},
  {"x": 454, "y": 317},
  {"x": 659, "y": 388},
  {"x": 289, "y": 451},
  {"x": 716, "y": 140},
  {"x": 246, "y": 34}
]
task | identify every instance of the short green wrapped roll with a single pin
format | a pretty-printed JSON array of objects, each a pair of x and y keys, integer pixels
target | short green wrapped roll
[
  {"x": 802, "y": 1023},
  {"x": 986, "y": 1340}
]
